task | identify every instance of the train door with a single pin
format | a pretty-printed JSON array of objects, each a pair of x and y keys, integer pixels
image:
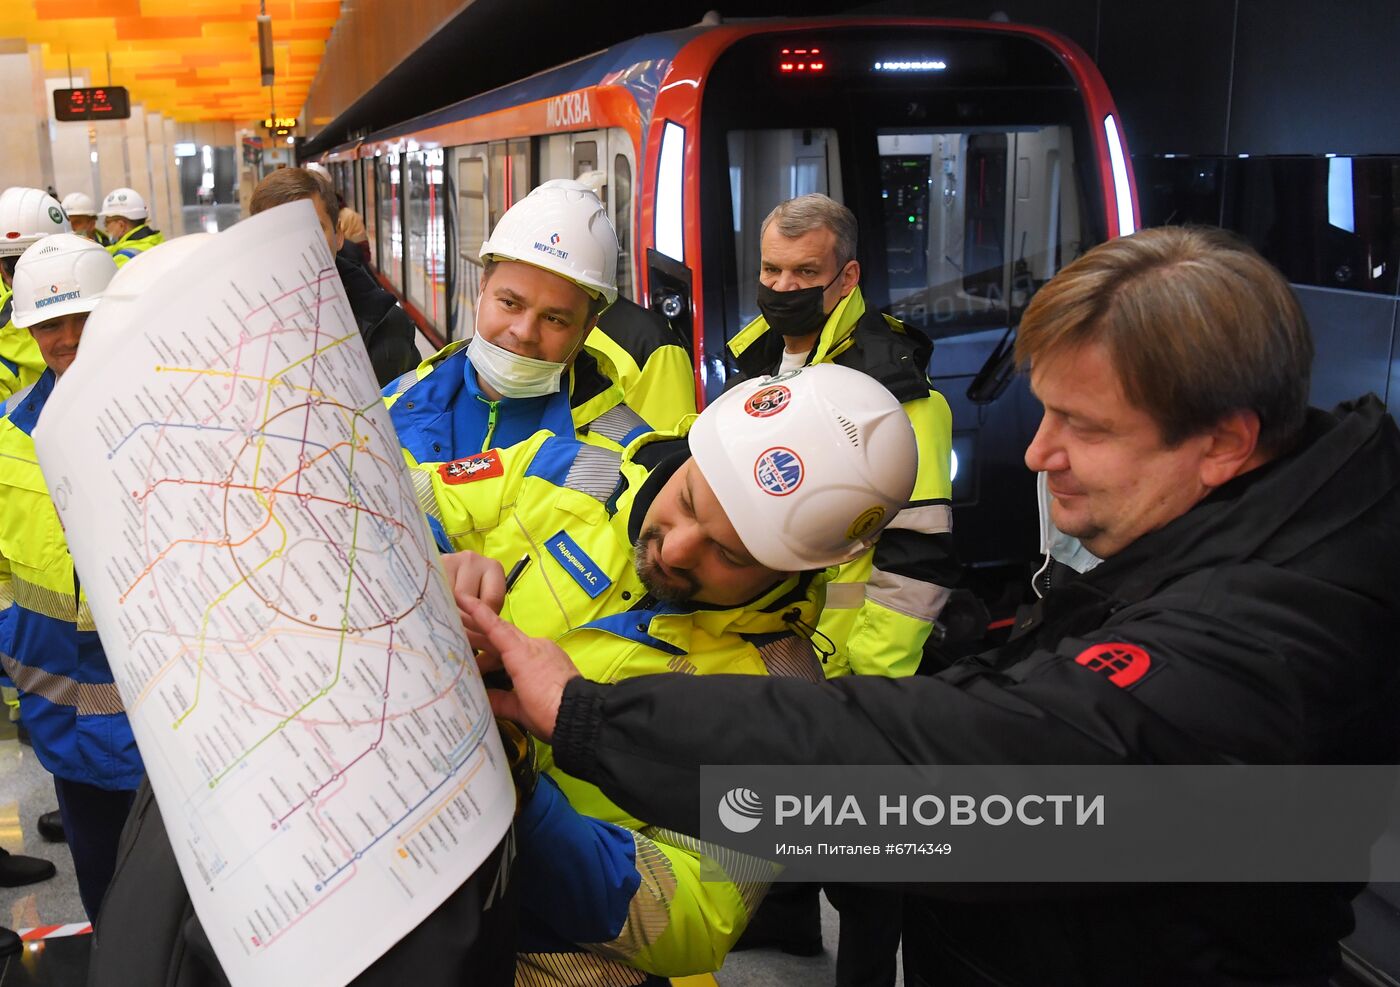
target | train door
[
  {"x": 605, "y": 161},
  {"x": 426, "y": 233},
  {"x": 472, "y": 222},
  {"x": 622, "y": 208},
  {"x": 489, "y": 179},
  {"x": 390, "y": 226},
  {"x": 369, "y": 185}
]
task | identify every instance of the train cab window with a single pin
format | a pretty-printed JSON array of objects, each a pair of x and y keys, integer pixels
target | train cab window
[
  {"x": 427, "y": 234},
  {"x": 981, "y": 136},
  {"x": 621, "y": 212},
  {"x": 390, "y": 220},
  {"x": 974, "y": 222},
  {"x": 767, "y": 167}
]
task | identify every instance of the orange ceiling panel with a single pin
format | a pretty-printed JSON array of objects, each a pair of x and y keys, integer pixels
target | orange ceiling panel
[
  {"x": 189, "y": 59},
  {"x": 52, "y": 10}
]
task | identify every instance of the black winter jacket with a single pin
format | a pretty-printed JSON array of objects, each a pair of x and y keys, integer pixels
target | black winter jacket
[
  {"x": 390, "y": 335},
  {"x": 147, "y": 932},
  {"x": 1270, "y": 612}
]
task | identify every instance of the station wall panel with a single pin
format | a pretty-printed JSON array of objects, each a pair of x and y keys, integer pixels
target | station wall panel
[
  {"x": 1168, "y": 65},
  {"x": 1352, "y": 333},
  {"x": 1316, "y": 78}
]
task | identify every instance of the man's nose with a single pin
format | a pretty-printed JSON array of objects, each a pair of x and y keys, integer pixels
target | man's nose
[
  {"x": 787, "y": 281},
  {"x": 1046, "y": 454},
  {"x": 680, "y": 548},
  {"x": 525, "y": 330}
]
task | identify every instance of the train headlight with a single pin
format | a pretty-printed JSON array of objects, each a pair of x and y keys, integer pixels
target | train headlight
[{"x": 671, "y": 304}]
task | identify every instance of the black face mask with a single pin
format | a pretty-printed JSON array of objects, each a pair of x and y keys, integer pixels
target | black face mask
[{"x": 794, "y": 313}]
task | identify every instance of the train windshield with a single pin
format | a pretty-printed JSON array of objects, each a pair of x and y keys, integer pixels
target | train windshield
[{"x": 965, "y": 156}]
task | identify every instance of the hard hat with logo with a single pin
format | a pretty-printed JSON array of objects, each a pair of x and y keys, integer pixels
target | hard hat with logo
[
  {"x": 60, "y": 275},
  {"x": 560, "y": 227},
  {"x": 124, "y": 202},
  {"x": 79, "y": 204},
  {"x": 809, "y": 465},
  {"x": 136, "y": 277},
  {"x": 26, "y": 215}
]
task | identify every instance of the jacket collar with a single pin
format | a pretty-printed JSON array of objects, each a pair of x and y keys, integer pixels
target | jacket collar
[
  {"x": 23, "y": 408},
  {"x": 140, "y": 233},
  {"x": 757, "y": 348}
]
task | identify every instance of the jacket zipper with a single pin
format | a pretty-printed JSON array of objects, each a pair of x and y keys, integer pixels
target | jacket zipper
[{"x": 490, "y": 425}]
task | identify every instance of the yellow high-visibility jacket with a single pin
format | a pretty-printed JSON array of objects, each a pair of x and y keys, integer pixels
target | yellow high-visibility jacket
[
  {"x": 20, "y": 360},
  {"x": 608, "y": 896},
  {"x": 653, "y": 366},
  {"x": 136, "y": 241},
  {"x": 48, "y": 642}
]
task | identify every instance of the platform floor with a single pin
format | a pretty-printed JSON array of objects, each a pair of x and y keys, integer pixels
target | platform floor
[{"x": 26, "y": 792}]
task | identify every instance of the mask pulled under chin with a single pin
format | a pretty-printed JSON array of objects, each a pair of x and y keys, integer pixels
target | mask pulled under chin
[
  {"x": 1054, "y": 543},
  {"x": 510, "y": 374}
]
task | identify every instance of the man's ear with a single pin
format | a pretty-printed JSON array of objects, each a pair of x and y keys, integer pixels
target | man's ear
[
  {"x": 850, "y": 277},
  {"x": 1232, "y": 448}
]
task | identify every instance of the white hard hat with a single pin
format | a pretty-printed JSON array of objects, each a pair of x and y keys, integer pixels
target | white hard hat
[
  {"x": 560, "y": 227},
  {"x": 809, "y": 465},
  {"x": 318, "y": 168},
  {"x": 136, "y": 277},
  {"x": 60, "y": 275},
  {"x": 124, "y": 202},
  {"x": 79, "y": 204},
  {"x": 26, "y": 215}
]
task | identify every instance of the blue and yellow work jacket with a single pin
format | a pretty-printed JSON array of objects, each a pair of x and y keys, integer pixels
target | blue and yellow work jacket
[
  {"x": 48, "y": 643},
  {"x": 441, "y": 414},
  {"x": 136, "y": 241},
  {"x": 20, "y": 360},
  {"x": 607, "y": 897}
]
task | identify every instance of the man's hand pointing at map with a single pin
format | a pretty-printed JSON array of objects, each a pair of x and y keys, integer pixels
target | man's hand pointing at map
[{"x": 539, "y": 668}]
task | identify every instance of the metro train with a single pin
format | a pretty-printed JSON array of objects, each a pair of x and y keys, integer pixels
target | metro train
[{"x": 979, "y": 159}]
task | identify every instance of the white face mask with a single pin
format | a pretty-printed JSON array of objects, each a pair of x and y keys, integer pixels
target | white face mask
[
  {"x": 510, "y": 374},
  {"x": 1059, "y": 546}
]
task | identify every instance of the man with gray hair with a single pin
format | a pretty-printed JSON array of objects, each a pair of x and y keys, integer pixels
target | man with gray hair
[{"x": 880, "y": 609}]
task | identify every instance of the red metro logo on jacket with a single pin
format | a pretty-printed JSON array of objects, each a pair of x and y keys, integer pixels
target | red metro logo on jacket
[
  {"x": 1124, "y": 664},
  {"x": 478, "y": 467}
]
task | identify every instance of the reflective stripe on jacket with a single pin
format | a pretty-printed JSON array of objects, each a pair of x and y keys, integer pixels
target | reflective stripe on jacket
[
  {"x": 881, "y": 607},
  {"x": 613, "y": 894},
  {"x": 653, "y": 366},
  {"x": 440, "y": 413},
  {"x": 48, "y": 643},
  {"x": 136, "y": 241}
]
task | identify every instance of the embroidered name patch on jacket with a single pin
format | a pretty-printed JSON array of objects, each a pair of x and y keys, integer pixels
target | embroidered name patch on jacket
[
  {"x": 478, "y": 467},
  {"x": 577, "y": 564}
]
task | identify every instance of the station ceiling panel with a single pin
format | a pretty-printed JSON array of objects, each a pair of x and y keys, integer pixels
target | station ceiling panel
[{"x": 189, "y": 59}]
